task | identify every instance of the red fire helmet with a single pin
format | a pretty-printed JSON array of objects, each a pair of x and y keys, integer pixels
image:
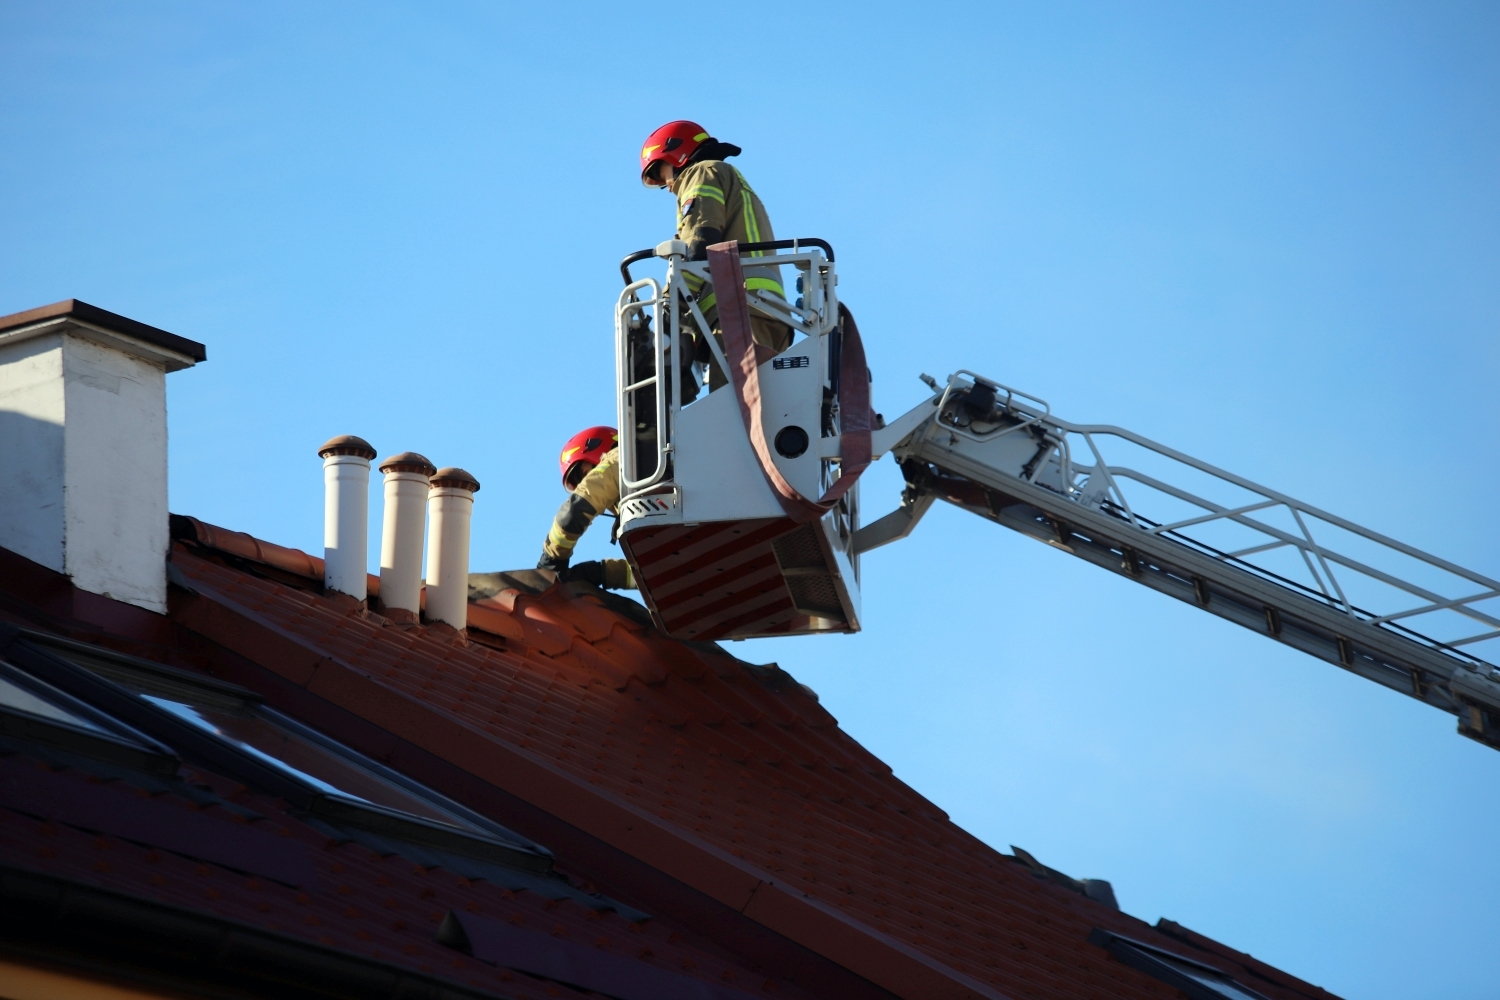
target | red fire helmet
[
  {"x": 586, "y": 446},
  {"x": 673, "y": 143}
]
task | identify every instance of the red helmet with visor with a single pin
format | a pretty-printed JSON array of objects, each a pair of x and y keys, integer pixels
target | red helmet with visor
[
  {"x": 590, "y": 446},
  {"x": 673, "y": 143}
]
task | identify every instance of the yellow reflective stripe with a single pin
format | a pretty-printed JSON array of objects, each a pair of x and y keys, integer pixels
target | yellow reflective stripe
[
  {"x": 752, "y": 229},
  {"x": 700, "y": 137},
  {"x": 765, "y": 285},
  {"x": 706, "y": 190},
  {"x": 560, "y": 539},
  {"x": 706, "y": 302}
]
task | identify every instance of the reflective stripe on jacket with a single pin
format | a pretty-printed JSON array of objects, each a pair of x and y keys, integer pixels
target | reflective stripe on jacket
[{"x": 713, "y": 195}]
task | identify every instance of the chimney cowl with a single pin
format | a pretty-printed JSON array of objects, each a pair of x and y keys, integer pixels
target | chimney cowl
[
  {"x": 347, "y": 444},
  {"x": 455, "y": 477},
  {"x": 407, "y": 461}
]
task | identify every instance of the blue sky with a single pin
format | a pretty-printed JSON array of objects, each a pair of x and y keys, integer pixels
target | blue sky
[{"x": 1266, "y": 234}]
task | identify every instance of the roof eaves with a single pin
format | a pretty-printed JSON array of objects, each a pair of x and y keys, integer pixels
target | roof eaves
[
  {"x": 165, "y": 946},
  {"x": 105, "y": 321}
]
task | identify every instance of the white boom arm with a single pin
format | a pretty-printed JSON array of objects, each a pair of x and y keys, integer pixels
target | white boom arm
[{"x": 1356, "y": 598}]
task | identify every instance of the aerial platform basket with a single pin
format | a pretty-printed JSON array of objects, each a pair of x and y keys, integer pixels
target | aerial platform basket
[{"x": 738, "y": 507}]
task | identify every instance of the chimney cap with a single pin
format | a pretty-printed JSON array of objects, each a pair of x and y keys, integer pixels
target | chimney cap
[
  {"x": 347, "y": 444},
  {"x": 452, "y": 475},
  {"x": 45, "y": 317},
  {"x": 408, "y": 461}
]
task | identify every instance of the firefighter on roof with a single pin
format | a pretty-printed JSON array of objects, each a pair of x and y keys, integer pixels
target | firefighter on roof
[
  {"x": 591, "y": 475},
  {"x": 714, "y": 204}
]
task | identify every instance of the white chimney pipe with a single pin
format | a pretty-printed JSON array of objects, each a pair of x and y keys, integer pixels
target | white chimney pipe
[
  {"x": 406, "y": 484},
  {"x": 450, "y": 505},
  {"x": 346, "y": 514}
]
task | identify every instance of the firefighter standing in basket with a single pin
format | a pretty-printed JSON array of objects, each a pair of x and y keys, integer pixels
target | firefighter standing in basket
[{"x": 714, "y": 204}]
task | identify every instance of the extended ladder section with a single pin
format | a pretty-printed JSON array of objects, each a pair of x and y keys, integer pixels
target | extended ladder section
[
  {"x": 1387, "y": 611},
  {"x": 717, "y": 552}
]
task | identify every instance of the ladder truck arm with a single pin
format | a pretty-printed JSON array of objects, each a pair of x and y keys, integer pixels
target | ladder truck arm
[
  {"x": 741, "y": 515},
  {"x": 1360, "y": 600}
]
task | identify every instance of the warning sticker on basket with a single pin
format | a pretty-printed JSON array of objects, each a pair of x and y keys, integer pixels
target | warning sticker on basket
[{"x": 650, "y": 505}]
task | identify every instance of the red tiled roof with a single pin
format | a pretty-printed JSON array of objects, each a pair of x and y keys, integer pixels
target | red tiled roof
[
  {"x": 349, "y": 897},
  {"x": 713, "y": 792}
]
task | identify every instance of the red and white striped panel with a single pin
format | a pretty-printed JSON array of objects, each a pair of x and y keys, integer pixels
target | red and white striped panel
[{"x": 714, "y": 581}]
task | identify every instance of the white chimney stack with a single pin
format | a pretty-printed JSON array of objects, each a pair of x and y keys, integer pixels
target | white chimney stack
[
  {"x": 450, "y": 506},
  {"x": 83, "y": 446},
  {"x": 346, "y": 514},
  {"x": 406, "y": 485}
]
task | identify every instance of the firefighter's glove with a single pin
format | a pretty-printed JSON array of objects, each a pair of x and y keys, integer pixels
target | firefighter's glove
[
  {"x": 590, "y": 572},
  {"x": 557, "y": 564}
]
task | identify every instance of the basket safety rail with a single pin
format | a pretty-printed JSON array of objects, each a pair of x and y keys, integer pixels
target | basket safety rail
[
  {"x": 649, "y": 333},
  {"x": 1389, "y": 611}
]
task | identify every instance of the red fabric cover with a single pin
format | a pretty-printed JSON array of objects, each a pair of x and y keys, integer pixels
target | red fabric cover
[{"x": 744, "y": 373}]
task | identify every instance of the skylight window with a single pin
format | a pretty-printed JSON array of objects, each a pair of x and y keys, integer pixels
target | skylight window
[
  {"x": 35, "y": 712},
  {"x": 274, "y": 740},
  {"x": 19, "y": 699},
  {"x": 231, "y": 730}
]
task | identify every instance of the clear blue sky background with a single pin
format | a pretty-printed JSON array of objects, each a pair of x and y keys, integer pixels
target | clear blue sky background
[{"x": 1268, "y": 234}]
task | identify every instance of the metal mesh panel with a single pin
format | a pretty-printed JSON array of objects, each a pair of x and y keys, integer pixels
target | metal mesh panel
[
  {"x": 815, "y": 595},
  {"x": 799, "y": 549}
]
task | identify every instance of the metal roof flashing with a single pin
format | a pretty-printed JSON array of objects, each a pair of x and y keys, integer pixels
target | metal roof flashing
[{"x": 152, "y": 345}]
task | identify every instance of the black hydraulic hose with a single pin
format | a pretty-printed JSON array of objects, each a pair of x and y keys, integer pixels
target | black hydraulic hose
[
  {"x": 745, "y": 248},
  {"x": 823, "y": 245},
  {"x": 636, "y": 257}
]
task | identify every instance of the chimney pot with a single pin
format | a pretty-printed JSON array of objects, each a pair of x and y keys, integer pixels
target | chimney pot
[
  {"x": 346, "y": 514},
  {"x": 406, "y": 490},
  {"x": 347, "y": 444},
  {"x": 452, "y": 475},
  {"x": 408, "y": 461},
  {"x": 450, "y": 507}
]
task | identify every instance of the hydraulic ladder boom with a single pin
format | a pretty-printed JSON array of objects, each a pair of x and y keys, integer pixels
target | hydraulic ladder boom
[{"x": 1384, "y": 610}]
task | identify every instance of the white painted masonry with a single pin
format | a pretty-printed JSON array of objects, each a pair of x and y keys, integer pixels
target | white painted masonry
[{"x": 83, "y": 455}]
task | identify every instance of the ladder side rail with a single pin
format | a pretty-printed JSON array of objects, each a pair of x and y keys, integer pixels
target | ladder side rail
[
  {"x": 1303, "y": 544},
  {"x": 1088, "y": 431},
  {"x": 1475, "y": 638},
  {"x": 1308, "y": 547},
  {"x": 626, "y": 389},
  {"x": 1436, "y": 607},
  {"x": 1410, "y": 648},
  {"x": 1307, "y": 544},
  {"x": 1403, "y": 664},
  {"x": 1101, "y": 467},
  {"x": 1265, "y": 491},
  {"x": 814, "y": 319},
  {"x": 1269, "y": 575},
  {"x": 1322, "y": 561}
]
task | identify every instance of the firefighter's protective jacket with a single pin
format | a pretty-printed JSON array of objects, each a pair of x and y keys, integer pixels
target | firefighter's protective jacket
[
  {"x": 597, "y": 492},
  {"x": 712, "y": 195}
]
